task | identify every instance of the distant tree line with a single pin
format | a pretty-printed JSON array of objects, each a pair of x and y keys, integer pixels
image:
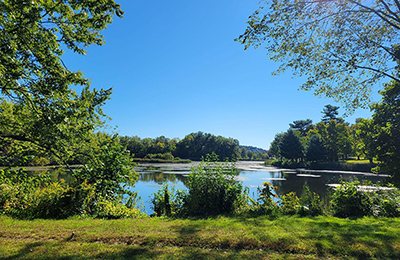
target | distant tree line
[
  {"x": 193, "y": 146},
  {"x": 253, "y": 153}
]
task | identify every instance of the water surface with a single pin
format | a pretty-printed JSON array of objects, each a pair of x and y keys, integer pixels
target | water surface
[{"x": 252, "y": 174}]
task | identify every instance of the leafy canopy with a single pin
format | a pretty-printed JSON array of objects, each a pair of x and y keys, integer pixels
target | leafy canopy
[
  {"x": 44, "y": 109},
  {"x": 386, "y": 130},
  {"x": 342, "y": 47},
  {"x": 34, "y": 34}
]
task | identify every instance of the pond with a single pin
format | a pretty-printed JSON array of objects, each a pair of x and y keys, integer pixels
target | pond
[{"x": 252, "y": 174}]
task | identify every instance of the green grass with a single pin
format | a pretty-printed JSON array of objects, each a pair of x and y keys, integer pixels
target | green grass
[
  {"x": 216, "y": 238},
  {"x": 365, "y": 161},
  {"x": 157, "y": 160}
]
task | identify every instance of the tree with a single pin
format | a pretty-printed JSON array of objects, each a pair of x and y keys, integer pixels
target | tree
[
  {"x": 303, "y": 126},
  {"x": 330, "y": 113},
  {"x": 34, "y": 35},
  {"x": 365, "y": 134},
  {"x": 243, "y": 153},
  {"x": 290, "y": 146},
  {"x": 59, "y": 128},
  {"x": 315, "y": 149},
  {"x": 31, "y": 40},
  {"x": 386, "y": 129},
  {"x": 342, "y": 47},
  {"x": 198, "y": 145},
  {"x": 110, "y": 170},
  {"x": 336, "y": 137},
  {"x": 274, "y": 146}
]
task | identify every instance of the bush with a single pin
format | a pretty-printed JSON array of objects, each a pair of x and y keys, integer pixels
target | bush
[
  {"x": 168, "y": 202},
  {"x": 114, "y": 209},
  {"x": 290, "y": 204},
  {"x": 212, "y": 188},
  {"x": 386, "y": 202},
  {"x": 265, "y": 201},
  {"x": 163, "y": 156},
  {"x": 287, "y": 164},
  {"x": 110, "y": 171},
  {"x": 342, "y": 166},
  {"x": 30, "y": 197},
  {"x": 311, "y": 204},
  {"x": 348, "y": 201},
  {"x": 40, "y": 161}
]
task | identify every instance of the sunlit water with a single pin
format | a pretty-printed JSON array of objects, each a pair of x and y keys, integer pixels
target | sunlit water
[{"x": 252, "y": 175}]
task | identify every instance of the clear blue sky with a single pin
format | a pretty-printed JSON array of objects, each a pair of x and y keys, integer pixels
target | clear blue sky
[{"x": 176, "y": 69}]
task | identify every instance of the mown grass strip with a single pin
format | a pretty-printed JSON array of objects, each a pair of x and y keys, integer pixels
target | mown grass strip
[{"x": 293, "y": 237}]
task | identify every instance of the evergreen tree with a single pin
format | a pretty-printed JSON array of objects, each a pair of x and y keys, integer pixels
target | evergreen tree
[
  {"x": 303, "y": 126},
  {"x": 290, "y": 146},
  {"x": 316, "y": 150},
  {"x": 331, "y": 113}
]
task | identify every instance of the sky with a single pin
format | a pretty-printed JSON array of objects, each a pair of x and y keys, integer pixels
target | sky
[{"x": 175, "y": 69}]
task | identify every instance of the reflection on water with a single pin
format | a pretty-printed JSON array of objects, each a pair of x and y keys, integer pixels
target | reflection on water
[
  {"x": 252, "y": 174},
  {"x": 161, "y": 177},
  {"x": 55, "y": 174}
]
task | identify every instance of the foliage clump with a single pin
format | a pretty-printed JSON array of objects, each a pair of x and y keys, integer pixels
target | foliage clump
[
  {"x": 114, "y": 209},
  {"x": 211, "y": 190},
  {"x": 356, "y": 200},
  {"x": 265, "y": 203},
  {"x": 30, "y": 197},
  {"x": 98, "y": 189},
  {"x": 168, "y": 202}
]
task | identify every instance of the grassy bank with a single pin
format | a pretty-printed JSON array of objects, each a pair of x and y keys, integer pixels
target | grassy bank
[
  {"x": 156, "y": 160},
  {"x": 349, "y": 165},
  {"x": 221, "y": 238}
]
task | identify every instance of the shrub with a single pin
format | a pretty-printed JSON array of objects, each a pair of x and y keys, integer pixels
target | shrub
[
  {"x": 287, "y": 164},
  {"x": 310, "y": 203},
  {"x": 385, "y": 202},
  {"x": 290, "y": 204},
  {"x": 353, "y": 200},
  {"x": 40, "y": 161},
  {"x": 162, "y": 156},
  {"x": 168, "y": 202},
  {"x": 109, "y": 171},
  {"x": 212, "y": 188},
  {"x": 348, "y": 201},
  {"x": 341, "y": 166},
  {"x": 30, "y": 197},
  {"x": 114, "y": 209},
  {"x": 265, "y": 201}
]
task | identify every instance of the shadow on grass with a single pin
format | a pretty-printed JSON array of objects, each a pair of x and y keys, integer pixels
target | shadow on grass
[
  {"x": 361, "y": 240},
  {"x": 36, "y": 251},
  {"x": 26, "y": 250}
]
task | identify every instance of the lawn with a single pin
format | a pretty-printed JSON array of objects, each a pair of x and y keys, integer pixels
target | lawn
[{"x": 213, "y": 238}]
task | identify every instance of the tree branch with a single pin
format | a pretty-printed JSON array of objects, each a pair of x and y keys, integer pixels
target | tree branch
[
  {"x": 378, "y": 13},
  {"x": 397, "y": 4},
  {"x": 378, "y": 71},
  {"x": 396, "y": 17}
]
